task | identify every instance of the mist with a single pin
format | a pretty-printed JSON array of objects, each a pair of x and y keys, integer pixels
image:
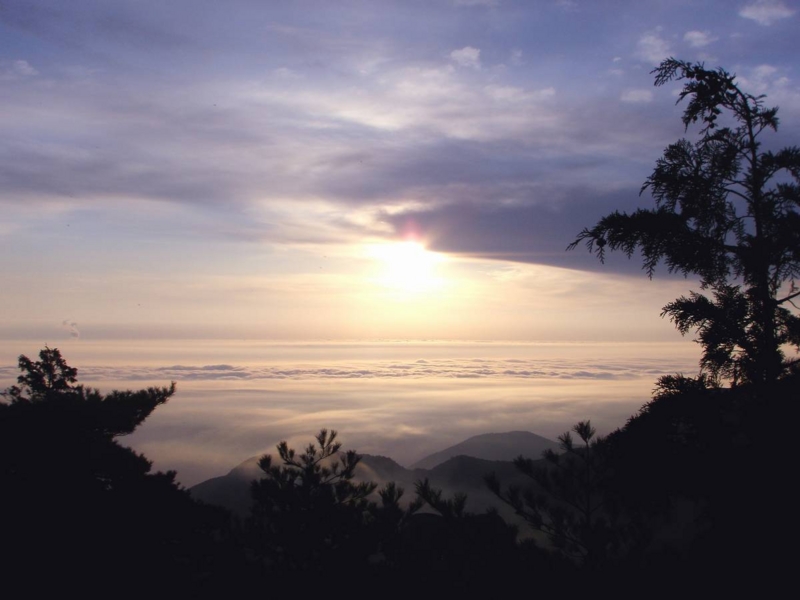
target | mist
[{"x": 403, "y": 399}]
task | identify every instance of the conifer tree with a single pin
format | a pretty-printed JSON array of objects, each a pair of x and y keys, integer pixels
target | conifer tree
[
  {"x": 311, "y": 514},
  {"x": 568, "y": 500},
  {"x": 68, "y": 484},
  {"x": 727, "y": 211}
]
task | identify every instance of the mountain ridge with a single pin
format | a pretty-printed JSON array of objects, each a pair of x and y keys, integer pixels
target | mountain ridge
[
  {"x": 458, "y": 473},
  {"x": 505, "y": 446}
]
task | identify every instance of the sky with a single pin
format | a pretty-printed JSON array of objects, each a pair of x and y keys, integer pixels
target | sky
[
  {"x": 347, "y": 170},
  {"x": 351, "y": 214}
]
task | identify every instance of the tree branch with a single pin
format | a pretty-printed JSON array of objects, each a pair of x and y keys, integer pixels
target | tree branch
[{"x": 788, "y": 298}]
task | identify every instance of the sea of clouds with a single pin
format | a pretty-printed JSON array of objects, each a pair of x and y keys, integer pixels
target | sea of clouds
[{"x": 394, "y": 399}]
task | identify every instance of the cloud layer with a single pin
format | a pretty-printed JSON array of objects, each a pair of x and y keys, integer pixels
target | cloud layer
[
  {"x": 399, "y": 399},
  {"x": 476, "y": 368}
]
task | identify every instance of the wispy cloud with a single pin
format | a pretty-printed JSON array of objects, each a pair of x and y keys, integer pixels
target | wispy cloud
[
  {"x": 24, "y": 68},
  {"x": 17, "y": 69},
  {"x": 568, "y": 5},
  {"x": 71, "y": 327},
  {"x": 637, "y": 96},
  {"x": 698, "y": 39},
  {"x": 467, "y": 57},
  {"x": 766, "y": 79},
  {"x": 766, "y": 12},
  {"x": 476, "y": 2},
  {"x": 652, "y": 48}
]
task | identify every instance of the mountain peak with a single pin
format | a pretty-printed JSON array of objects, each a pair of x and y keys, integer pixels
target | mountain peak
[{"x": 492, "y": 446}]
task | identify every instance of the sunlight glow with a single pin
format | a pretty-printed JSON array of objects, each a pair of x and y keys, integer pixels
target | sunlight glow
[{"x": 406, "y": 266}]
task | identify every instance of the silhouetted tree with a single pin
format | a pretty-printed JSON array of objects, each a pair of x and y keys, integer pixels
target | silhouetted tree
[
  {"x": 728, "y": 211},
  {"x": 78, "y": 506},
  {"x": 449, "y": 508},
  {"x": 310, "y": 514},
  {"x": 50, "y": 416},
  {"x": 461, "y": 549},
  {"x": 570, "y": 501},
  {"x": 707, "y": 466}
]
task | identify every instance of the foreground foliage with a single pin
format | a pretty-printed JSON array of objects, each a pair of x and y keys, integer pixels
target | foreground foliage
[
  {"x": 311, "y": 515},
  {"x": 570, "y": 500},
  {"x": 76, "y": 500},
  {"x": 727, "y": 211}
]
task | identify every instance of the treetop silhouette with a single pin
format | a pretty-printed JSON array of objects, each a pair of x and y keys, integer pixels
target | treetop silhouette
[
  {"x": 315, "y": 476},
  {"x": 569, "y": 501},
  {"x": 69, "y": 485},
  {"x": 50, "y": 383},
  {"x": 726, "y": 211}
]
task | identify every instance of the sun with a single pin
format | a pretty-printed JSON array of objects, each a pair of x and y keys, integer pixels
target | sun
[{"x": 406, "y": 266}]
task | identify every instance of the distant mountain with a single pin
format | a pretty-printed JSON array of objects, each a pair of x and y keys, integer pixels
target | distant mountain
[
  {"x": 232, "y": 490},
  {"x": 492, "y": 446},
  {"x": 466, "y": 473},
  {"x": 460, "y": 468},
  {"x": 459, "y": 474}
]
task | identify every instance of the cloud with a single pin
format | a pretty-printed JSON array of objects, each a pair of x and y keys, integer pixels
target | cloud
[
  {"x": 516, "y": 94},
  {"x": 766, "y": 12},
  {"x": 476, "y": 2},
  {"x": 24, "y": 68},
  {"x": 16, "y": 69},
  {"x": 652, "y": 48},
  {"x": 637, "y": 96},
  {"x": 439, "y": 368},
  {"x": 467, "y": 57},
  {"x": 762, "y": 72},
  {"x": 72, "y": 328},
  {"x": 286, "y": 73},
  {"x": 301, "y": 149},
  {"x": 534, "y": 228},
  {"x": 698, "y": 39},
  {"x": 212, "y": 424},
  {"x": 416, "y": 135},
  {"x": 290, "y": 138},
  {"x": 568, "y": 5},
  {"x": 766, "y": 79},
  {"x": 422, "y": 102}
]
